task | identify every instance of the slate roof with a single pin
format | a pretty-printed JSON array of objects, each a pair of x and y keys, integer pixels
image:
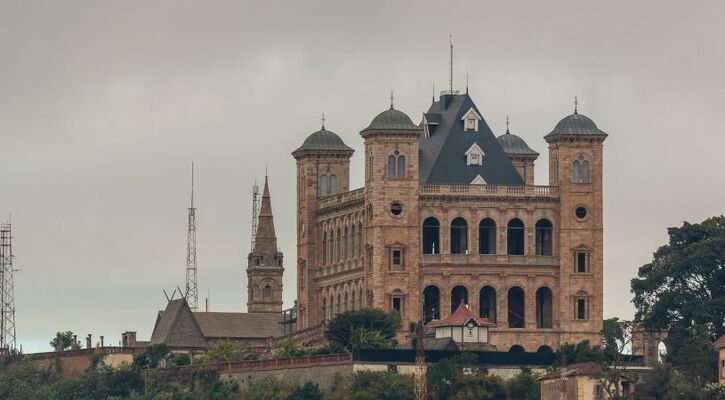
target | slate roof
[
  {"x": 240, "y": 325},
  {"x": 514, "y": 145},
  {"x": 460, "y": 317},
  {"x": 177, "y": 327},
  {"x": 442, "y": 159},
  {"x": 322, "y": 140},
  {"x": 391, "y": 120},
  {"x": 719, "y": 343},
  {"x": 575, "y": 125}
]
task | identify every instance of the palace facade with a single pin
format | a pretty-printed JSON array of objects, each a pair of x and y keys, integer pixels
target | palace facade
[{"x": 449, "y": 213}]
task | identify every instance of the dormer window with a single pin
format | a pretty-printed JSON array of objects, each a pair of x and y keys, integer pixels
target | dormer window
[
  {"x": 470, "y": 120},
  {"x": 474, "y": 155}
]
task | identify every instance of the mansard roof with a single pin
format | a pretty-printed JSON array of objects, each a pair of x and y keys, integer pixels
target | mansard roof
[{"x": 442, "y": 150}]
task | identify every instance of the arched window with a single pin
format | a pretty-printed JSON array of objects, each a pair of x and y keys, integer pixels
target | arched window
[
  {"x": 344, "y": 245},
  {"x": 324, "y": 248},
  {"x": 544, "y": 349},
  {"x": 585, "y": 171},
  {"x": 575, "y": 166},
  {"x": 324, "y": 185},
  {"x": 516, "y": 307},
  {"x": 267, "y": 292},
  {"x": 324, "y": 308},
  {"x": 458, "y": 294},
  {"x": 544, "y": 311},
  {"x": 459, "y": 236},
  {"x": 353, "y": 240},
  {"x": 333, "y": 185},
  {"x": 359, "y": 239},
  {"x": 431, "y": 303},
  {"x": 396, "y": 165},
  {"x": 344, "y": 303},
  {"x": 487, "y": 303},
  {"x": 431, "y": 236},
  {"x": 338, "y": 307},
  {"x": 487, "y": 236},
  {"x": 544, "y": 237},
  {"x": 515, "y": 237},
  {"x": 338, "y": 245},
  {"x": 516, "y": 349}
]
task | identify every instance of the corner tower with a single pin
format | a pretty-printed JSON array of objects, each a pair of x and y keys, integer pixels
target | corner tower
[
  {"x": 323, "y": 169},
  {"x": 264, "y": 263},
  {"x": 392, "y": 216},
  {"x": 575, "y": 166},
  {"x": 520, "y": 154}
]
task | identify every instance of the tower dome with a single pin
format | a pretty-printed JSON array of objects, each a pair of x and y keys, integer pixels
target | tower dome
[
  {"x": 514, "y": 145},
  {"x": 575, "y": 125},
  {"x": 322, "y": 141},
  {"x": 391, "y": 120}
]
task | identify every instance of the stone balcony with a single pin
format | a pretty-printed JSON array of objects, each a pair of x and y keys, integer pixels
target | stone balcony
[
  {"x": 342, "y": 198},
  {"x": 490, "y": 190},
  {"x": 488, "y": 259}
]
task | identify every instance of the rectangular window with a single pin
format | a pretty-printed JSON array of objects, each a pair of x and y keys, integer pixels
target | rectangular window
[
  {"x": 581, "y": 309},
  {"x": 398, "y": 304},
  {"x": 581, "y": 262},
  {"x": 396, "y": 260}
]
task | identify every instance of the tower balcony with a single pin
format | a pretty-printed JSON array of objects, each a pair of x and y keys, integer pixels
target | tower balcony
[{"x": 490, "y": 190}]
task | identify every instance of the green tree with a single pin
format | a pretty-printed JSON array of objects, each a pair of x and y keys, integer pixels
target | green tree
[
  {"x": 65, "y": 341},
  {"x": 345, "y": 325},
  {"x": 578, "y": 353},
  {"x": 288, "y": 348},
  {"x": 152, "y": 356},
  {"x": 308, "y": 391},
  {"x": 377, "y": 385},
  {"x": 524, "y": 386},
  {"x": 443, "y": 375},
  {"x": 683, "y": 290}
]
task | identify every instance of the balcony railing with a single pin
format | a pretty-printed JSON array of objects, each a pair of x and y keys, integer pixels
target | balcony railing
[
  {"x": 342, "y": 198},
  {"x": 491, "y": 190}
]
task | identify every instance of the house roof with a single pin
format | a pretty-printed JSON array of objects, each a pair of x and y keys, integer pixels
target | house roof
[
  {"x": 442, "y": 158},
  {"x": 579, "y": 369},
  {"x": 239, "y": 325},
  {"x": 719, "y": 343},
  {"x": 177, "y": 327},
  {"x": 460, "y": 317}
]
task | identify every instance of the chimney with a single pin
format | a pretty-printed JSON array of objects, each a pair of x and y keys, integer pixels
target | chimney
[
  {"x": 88, "y": 341},
  {"x": 101, "y": 340},
  {"x": 75, "y": 340}
]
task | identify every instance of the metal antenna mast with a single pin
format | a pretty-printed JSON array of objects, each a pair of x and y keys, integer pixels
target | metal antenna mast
[
  {"x": 450, "y": 71},
  {"x": 255, "y": 204},
  {"x": 192, "y": 291},
  {"x": 7, "y": 288}
]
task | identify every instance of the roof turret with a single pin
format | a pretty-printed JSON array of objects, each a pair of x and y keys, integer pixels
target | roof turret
[
  {"x": 575, "y": 125},
  {"x": 391, "y": 120},
  {"x": 514, "y": 145},
  {"x": 322, "y": 141}
]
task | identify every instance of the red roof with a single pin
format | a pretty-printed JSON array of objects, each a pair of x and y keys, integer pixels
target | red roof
[{"x": 460, "y": 317}]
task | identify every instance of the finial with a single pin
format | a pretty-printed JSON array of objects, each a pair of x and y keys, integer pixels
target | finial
[
  {"x": 450, "y": 72},
  {"x": 391, "y": 99},
  {"x": 507, "y": 125},
  {"x": 323, "y": 120},
  {"x": 576, "y": 104}
]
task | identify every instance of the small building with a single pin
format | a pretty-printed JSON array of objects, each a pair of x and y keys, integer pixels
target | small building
[
  {"x": 462, "y": 326},
  {"x": 579, "y": 381},
  {"x": 719, "y": 345}
]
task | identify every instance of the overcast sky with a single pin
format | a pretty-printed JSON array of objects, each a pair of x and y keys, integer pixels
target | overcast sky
[{"x": 104, "y": 105}]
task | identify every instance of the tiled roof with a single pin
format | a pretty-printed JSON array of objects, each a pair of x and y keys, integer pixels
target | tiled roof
[
  {"x": 239, "y": 325},
  {"x": 460, "y": 317}
]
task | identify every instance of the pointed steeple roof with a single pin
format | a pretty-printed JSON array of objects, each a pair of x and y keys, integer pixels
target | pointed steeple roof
[{"x": 266, "y": 240}]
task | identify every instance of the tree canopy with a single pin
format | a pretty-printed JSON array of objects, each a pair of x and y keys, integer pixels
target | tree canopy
[
  {"x": 684, "y": 285},
  {"x": 364, "y": 328},
  {"x": 65, "y": 341}
]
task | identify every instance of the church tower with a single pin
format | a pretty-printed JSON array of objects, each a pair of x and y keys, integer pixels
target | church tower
[{"x": 264, "y": 263}]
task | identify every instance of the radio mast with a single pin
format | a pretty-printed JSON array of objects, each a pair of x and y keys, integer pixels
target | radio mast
[
  {"x": 192, "y": 291},
  {"x": 7, "y": 289}
]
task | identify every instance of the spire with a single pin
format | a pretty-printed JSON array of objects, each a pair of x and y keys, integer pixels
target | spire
[
  {"x": 576, "y": 104},
  {"x": 450, "y": 70},
  {"x": 507, "y": 125},
  {"x": 266, "y": 240}
]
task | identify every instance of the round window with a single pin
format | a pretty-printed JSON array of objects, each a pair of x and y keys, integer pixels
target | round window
[
  {"x": 396, "y": 208},
  {"x": 580, "y": 212}
]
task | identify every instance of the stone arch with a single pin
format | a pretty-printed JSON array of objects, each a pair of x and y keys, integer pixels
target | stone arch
[
  {"x": 431, "y": 236},
  {"x": 431, "y": 303},
  {"x": 459, "y": 236},
  {"x": 516, "y": 307},
  {"x": 487, "y": 236},
  {"x": 458, "y": 293},
  {"x": 515, "y": 237},
  {"x": 544, "y": 232},
  {"x": 517, "y": 348},
  {"x": 544, "y": 349},
  {"x": 487, "y": 303},
  {"x": 544, "y": 308}
]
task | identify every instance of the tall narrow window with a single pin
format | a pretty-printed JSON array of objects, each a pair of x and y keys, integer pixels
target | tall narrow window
[
  {"x": 516, "y": 307},
  {"x": 575, "y": 166},
  {"x": 333, "y": 185},
  {"x": 543, "y": 237},
  {"x": 581, "y": 261},
  {"x": 585, "y": 171},
  {"x": 396, "y": 259},
  {"x": 401, "y": 167},
  {"x": 431, "y": 232},
  {"x": 515, "y": 237},
  {"x": 324, "y": 185},
  {"x": 396, "y": 165},
  {"x": 544, "y": 308},
  {"x": 267, "y": 292},
  {"x": 581, "y": 309},
  {"x": 397, "y": 304},
  {"x": 487, "y": 303},
  {"x": 459, "y": 236},
  {"x": 391, "y": 166},
  {"x": 431, "y": 303},
  {"x": 324, "y": 248},
  {"x": 487, "y": 236}
]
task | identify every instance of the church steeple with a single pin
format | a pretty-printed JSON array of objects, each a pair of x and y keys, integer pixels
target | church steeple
[{"x": 264, "y": 263}]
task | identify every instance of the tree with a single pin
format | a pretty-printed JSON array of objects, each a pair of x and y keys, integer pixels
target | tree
[
  {"x": 65, "y": 341},
  {"x": 152, "y": 356},
  {"x": 683, "y": 290},
  {"x": 578, "y": 353},
  {"x": 345, "y": 326},
  {"x": 616, "y": 337},
  {"x": 443, "y": 375},
  {"x": 684, "y": 285}
]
